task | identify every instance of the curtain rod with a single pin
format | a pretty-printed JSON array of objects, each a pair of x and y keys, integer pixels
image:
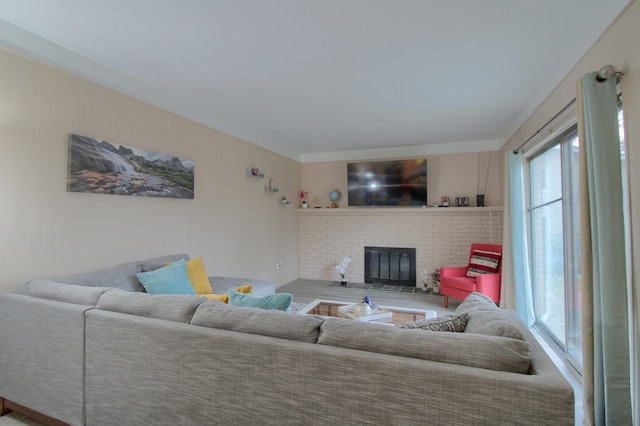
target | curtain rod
[
  {"x": 515, "y": 151},
  {"x": 605, "y": 73}
]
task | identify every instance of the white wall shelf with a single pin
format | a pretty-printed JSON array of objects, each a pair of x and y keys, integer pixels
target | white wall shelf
[
  {"x": 369, "y": 211},
  {"x": 258, "y": 176}
]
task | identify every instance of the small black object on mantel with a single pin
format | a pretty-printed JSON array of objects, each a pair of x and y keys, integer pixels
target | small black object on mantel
[{"x": 480, "y": 200}]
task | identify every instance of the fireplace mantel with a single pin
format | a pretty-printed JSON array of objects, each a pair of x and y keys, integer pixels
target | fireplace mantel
[{"x": 363, "y": 211}]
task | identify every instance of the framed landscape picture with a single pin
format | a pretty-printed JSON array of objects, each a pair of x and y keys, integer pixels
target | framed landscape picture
[{"x": 102, "y": 167}]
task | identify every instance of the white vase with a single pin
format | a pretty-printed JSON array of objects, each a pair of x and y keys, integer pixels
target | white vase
[
  {"x": 362, "y": 309},
  {"x": 436, "y": 290}
]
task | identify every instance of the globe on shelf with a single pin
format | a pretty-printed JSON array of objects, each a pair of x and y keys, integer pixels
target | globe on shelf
[{"x": 334, "y": 196}]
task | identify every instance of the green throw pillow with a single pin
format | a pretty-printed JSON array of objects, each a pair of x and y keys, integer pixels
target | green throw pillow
[
  {"x": 279, "y": 301},
  {"x": 171, "y": 279}
]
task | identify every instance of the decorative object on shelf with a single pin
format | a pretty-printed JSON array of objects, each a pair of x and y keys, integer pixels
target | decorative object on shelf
[
  {"x": 254, "y": 172},
  {"x": 480, "y": 196},
  {"x": 445, "y": 201},
  {"x": 284, "y": 202},
  {"x": 303, "y": 199},
  {"x": 342, "y": 269},
  {"x": 317, "y": 201},
  {"x": 462, "y": 201},
  {"x": 271, "y": 187},
  {"x": 334, "y": 196}
]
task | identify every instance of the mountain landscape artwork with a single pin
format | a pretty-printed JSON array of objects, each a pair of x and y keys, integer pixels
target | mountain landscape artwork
[{"x": 102, "y": 167}]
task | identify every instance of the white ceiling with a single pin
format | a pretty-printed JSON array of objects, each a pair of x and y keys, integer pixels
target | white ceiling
[{"x": 326, "y": 79}]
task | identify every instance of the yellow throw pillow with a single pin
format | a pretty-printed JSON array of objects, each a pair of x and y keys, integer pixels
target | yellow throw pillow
[
  {"x": 225, "y": 297},
  {"x": 221, "y": 297},
  {"x": 245, "y": 289},
  {"x": 198, "y": 276}
]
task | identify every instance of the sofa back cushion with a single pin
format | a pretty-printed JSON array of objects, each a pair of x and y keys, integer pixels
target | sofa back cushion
[
  {"x": 272, "y": 323},
  {"x": 170, "y": 307},
  {"x": 154, "y": 263},
  {"x": 119, "y": 276},
  {"x": 486, "y": 318},
  {"x": 49, "y": 289},
  {"x": 473, "y": 350}
]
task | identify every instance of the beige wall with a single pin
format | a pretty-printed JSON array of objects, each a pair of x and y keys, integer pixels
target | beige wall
[
  {"x": 235, "y": 226},
  {"x": 456, "y": 175}
]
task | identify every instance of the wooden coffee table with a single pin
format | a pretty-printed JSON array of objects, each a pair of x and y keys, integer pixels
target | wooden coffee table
[{"x": 329, "y": 308}]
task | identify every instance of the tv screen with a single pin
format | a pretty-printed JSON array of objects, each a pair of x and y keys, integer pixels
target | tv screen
[{"x": 387, "y": 183}]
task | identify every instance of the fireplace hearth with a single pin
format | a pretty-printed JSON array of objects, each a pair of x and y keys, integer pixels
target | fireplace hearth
[{"x": 390, "y": 265}]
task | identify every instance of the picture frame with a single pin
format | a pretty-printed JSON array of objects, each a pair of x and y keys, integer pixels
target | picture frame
[
  {"x": 101, "y": 167},
  {"x": 445, "y": 201}
]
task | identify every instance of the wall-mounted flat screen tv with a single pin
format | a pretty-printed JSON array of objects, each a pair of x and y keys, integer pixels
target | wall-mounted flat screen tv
[{"x": 387, "y": 183}]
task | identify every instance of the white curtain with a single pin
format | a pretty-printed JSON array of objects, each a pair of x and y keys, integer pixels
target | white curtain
[{"x": 606, "y": 357}]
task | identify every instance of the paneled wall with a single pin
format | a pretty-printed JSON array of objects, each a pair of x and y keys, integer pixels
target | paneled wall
[
  {"x": 237, "y": 228},
  {"x": 441, "y": 236}
]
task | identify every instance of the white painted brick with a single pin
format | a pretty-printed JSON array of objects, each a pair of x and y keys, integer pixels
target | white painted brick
[{"x": 440, "y": 239}]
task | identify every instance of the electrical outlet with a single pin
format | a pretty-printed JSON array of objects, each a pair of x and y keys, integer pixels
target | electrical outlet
[{"x": 278, "y": 265}]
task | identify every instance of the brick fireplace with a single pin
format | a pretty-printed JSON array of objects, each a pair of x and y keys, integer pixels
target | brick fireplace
[{"x": 440, "y": 236}]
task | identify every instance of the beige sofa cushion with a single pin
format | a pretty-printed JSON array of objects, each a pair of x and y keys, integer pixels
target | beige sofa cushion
[
  {"x": 486, "y": 318},
  {"x": 48, "y": 289},
  {"x": 170, "y": 307},
  {"x": 474, "y": 350},
  {"x": 273, "y": 323}
]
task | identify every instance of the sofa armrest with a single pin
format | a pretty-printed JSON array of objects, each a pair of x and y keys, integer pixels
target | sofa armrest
[
  {"x": 42, "y": 355},
  {"x": 489, "y": 284},
  {"x": 452, "y": 271}
]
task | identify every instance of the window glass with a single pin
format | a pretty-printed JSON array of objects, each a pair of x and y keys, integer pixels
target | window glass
[{"x": 555, "y": 241}]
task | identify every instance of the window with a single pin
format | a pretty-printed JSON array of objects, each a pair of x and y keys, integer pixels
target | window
[{"x": 554, "y": 223}]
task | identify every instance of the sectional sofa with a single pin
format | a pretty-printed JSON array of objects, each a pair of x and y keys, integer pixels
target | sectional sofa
[{"x": 103, "y": 355}]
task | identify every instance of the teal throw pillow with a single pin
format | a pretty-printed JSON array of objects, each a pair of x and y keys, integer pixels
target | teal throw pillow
[
  {"x": 171, "y": 279},
  {"x": 279, "y": 301}
]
